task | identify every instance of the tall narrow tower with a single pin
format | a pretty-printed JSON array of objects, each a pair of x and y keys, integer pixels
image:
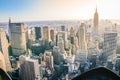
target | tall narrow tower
[
  {"x": 46, "y": 33},
  {"x": 81, "y": 37},
  {"x": 96, "y": 21},
  {"x": 9, "y": 29}
]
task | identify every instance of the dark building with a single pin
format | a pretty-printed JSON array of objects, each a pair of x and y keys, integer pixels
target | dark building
[
  {"x": 52, "y": 35},
  {"x": 38, "y": 32},
  {"x": 62, "y": 28}
]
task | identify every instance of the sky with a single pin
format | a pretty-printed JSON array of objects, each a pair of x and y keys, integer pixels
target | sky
[{"x": 40, "y": 10}]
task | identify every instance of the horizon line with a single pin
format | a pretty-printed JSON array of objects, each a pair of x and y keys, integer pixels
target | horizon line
[{"x": 57, "y": 20}]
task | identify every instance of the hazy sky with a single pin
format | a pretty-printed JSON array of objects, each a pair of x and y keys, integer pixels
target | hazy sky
[{"x": 33, "y": 10}]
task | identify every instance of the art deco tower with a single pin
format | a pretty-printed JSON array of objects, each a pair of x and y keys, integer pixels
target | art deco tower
[
  {"x": 81, "y": 53},
  {"x": 96, "y": 21},
  {"x": 81, "y": 37}
]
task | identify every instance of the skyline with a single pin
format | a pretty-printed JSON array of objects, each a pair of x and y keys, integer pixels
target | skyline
[{"x": 35, "y": 10}]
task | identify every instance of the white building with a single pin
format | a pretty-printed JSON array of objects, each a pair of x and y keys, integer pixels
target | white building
[
  {"x": 48, "y": 58},
  {"x": 110, "y": 44},
  {"x": 81, "y": 56},
  {"x": 81, "y": 38},
  {"x": 81, "y": 53},
  {"x": 29, "y": 70}
]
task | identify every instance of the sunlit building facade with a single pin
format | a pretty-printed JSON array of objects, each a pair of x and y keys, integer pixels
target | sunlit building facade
[
  {"x": 4, "y": 49},
  {"x": 18, "y": 38},
  {"x": 46, "y": 33}
]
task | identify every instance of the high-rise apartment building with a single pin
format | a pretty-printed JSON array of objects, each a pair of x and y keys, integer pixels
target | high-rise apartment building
[{"x": 18, "y": 38}]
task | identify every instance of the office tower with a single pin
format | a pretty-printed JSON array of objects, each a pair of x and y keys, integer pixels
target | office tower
[
  {"x": 96, "y": 22},
  {"x": 27, "y": 37},
  {"x": 48, "y": 58},
  {"x": 29, "y": 70},
  {"x": 81, "y": 56},
  {"x": 72, "y": 32},
  {"x": 72, "y": 35},
  {"x": 58, "y": 56},
  {"x": 81, "y": 37},
  {"x": 52, "y": 35},
  {"x": 81, "y": 53},
  {"x": 31, "y": 34},
  {"x": 88, "y": 35},
  {"x": 2, "y": 61},
  {"x": 76, "y": 43},
  {"x": 62, "y": 35},
  {"x": 38, "y": 33},
  {"x": 9, "y": 29},
  {"x": 109, "y": 45},
  {"x": 46, "y": 33},
  {"x": 4, "y": 49},
  {"x": 62, "y": 28},
  {"x": 61, "y": 44},
  {"x": 18, "y": 38}
]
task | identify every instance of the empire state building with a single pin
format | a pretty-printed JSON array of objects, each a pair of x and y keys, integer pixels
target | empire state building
[{"x": 96, "y": 21}]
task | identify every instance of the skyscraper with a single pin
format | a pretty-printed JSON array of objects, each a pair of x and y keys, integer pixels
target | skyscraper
[
  {"x": 96, "y": 21},
  {"x": 31, "y": 34},
  {"x": 2, "y": 62},
  {"x": 46, "y": 33},
  {"x": 29, "y": 70},
  {"x": 72, "y": 35},
  {"x": 62, "y": 28},
  {"x": 52, "y": 35},
  {"x": 9, "y": 29},
  {"x": 81, "y": 37},
  {"x": 81, "y": 53},
  {"x": 109, "y": 45},
  {"x": 62, "y": 35},
  {"x": 4, "y": 49},
  {"x": 38, "y": 33},
  {"x": 48, "y": 58},
  {"x": 88, "y": 35},
  {"x": 18, "y": 38}
]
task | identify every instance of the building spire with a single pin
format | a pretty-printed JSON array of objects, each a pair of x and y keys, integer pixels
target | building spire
[
  {"x": 9, "y": 20},
  {"x": 96, "y": 9}
]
